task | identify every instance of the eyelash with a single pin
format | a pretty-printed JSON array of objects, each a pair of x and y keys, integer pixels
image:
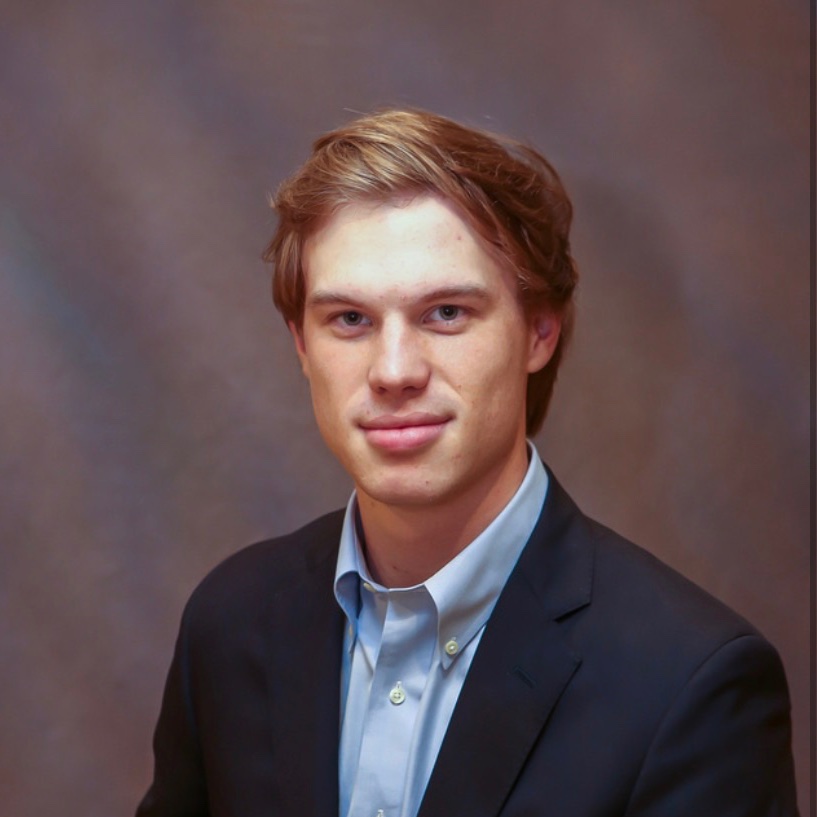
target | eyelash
[
  {"x": 457, "y": 309},
  {"x": 359, "y": 319},
  {"x": 344, "y": 318}
]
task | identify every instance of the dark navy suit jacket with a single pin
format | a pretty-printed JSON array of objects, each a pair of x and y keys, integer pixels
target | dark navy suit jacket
[{"x": 605, "y": 685}]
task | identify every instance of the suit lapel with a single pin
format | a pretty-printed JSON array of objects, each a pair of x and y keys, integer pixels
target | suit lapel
[
  {"x": 303, "y": 670},
  {"x": 521, "y": 667}
]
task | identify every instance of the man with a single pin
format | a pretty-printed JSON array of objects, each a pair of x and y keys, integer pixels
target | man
[{"x": 462, "y": 640}]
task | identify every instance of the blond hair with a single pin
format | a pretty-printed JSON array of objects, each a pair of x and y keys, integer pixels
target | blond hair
[{"x": 510, "y": 195}]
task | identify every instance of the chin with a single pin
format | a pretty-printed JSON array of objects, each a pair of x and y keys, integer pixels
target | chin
[{"x": 408, "y": 493}]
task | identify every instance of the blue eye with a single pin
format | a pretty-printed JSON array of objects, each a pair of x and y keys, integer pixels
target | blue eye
[
  {"x": 446, "y": 313},
  {"x": 350, "y": 322},
  {"x": 352, "y": 318}
]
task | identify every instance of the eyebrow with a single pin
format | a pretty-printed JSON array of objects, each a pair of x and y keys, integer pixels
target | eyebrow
[{"x": 328, "y": 297}]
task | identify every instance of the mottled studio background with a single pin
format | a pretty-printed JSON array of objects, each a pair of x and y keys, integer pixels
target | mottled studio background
[{"x": 152, "y": 416}]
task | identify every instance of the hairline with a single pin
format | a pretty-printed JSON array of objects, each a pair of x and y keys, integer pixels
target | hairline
[{"x": 401, "y": 199}]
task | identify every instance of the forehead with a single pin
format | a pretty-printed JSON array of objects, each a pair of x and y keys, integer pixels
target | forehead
[{"x": 422, "y": 240}]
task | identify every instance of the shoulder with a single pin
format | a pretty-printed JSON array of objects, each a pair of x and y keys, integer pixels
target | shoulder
[
  {"x": 696, "y": 680},
  {"x": 652, "y": 642},
  {"x": 706, "y": 683},
  {"x": 631, "y": 579},
  {"x": 246, "y": 580},
  {"x": 648, "y": 594},
  {"x": 630, "y": 613}
]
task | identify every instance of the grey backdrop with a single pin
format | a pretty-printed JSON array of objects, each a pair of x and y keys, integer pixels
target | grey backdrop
[{"x": 153, "y": 416}]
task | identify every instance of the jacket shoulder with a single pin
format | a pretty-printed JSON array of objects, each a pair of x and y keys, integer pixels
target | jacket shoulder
[
  {"x": 620, "y": 603},
  {"x": 631, "y": 579},
  {"x": 622, "y": 589},
  {"x": 251, "y": 576}
]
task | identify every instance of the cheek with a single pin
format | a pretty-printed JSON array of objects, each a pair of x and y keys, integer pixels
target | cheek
[
  {"x": 332, "y": 389},
  {"x": 490, "y": 369},
  {"x": 495, "y": 387},
  {"x": 321, "y": 387}
]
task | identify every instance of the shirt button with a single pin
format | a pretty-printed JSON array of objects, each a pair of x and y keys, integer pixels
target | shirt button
[
  {"x": 368, "y": 587},
  {"x": 451, "y": 647},
  {"x": 398, "y": 694}
]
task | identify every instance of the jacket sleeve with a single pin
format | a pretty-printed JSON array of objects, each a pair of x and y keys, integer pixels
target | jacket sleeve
[
  {"x": 178, "y": 788},
  {"x": 723, "y": 748}
]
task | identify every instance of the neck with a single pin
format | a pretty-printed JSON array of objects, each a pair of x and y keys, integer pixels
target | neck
[{"x": 407, "y": 544}]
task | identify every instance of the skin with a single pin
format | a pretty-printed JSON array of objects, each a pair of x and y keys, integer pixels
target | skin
[{"x": 417, "y": 351}]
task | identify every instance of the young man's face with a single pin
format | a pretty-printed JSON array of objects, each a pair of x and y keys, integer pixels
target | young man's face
[{"x": 418, "y": 352}]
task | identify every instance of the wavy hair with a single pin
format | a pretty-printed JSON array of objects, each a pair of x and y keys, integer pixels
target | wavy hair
[{"x": 508, "y": 192}]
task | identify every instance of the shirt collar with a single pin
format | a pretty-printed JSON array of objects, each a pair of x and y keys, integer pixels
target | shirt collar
[{"x": 466, "y": 589}]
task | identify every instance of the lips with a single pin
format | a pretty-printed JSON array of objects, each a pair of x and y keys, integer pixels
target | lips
[{"x": 393, "y": 433}]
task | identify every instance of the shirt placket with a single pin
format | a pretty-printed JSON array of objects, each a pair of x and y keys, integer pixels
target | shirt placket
[{"x": 398, "y": 682}]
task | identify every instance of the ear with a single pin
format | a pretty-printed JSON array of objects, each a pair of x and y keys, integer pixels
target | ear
[
  {"x": 545, "y": 328},
  {"x": 297, "y": 333}
]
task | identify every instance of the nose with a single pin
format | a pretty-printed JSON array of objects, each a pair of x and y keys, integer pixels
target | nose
[{"x": 399, "y": 362}]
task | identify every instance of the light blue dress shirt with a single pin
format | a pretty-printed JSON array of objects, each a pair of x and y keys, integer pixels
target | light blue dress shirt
[{"x": 407, "y": 652}]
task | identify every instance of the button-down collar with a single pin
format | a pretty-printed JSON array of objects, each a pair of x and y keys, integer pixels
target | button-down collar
[{"x": 466, "y": 589}]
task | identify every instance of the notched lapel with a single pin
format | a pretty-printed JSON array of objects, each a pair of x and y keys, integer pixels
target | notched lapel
[
  {"x": 522, "y": 666},
  {"x": 514, "y": 683}
]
